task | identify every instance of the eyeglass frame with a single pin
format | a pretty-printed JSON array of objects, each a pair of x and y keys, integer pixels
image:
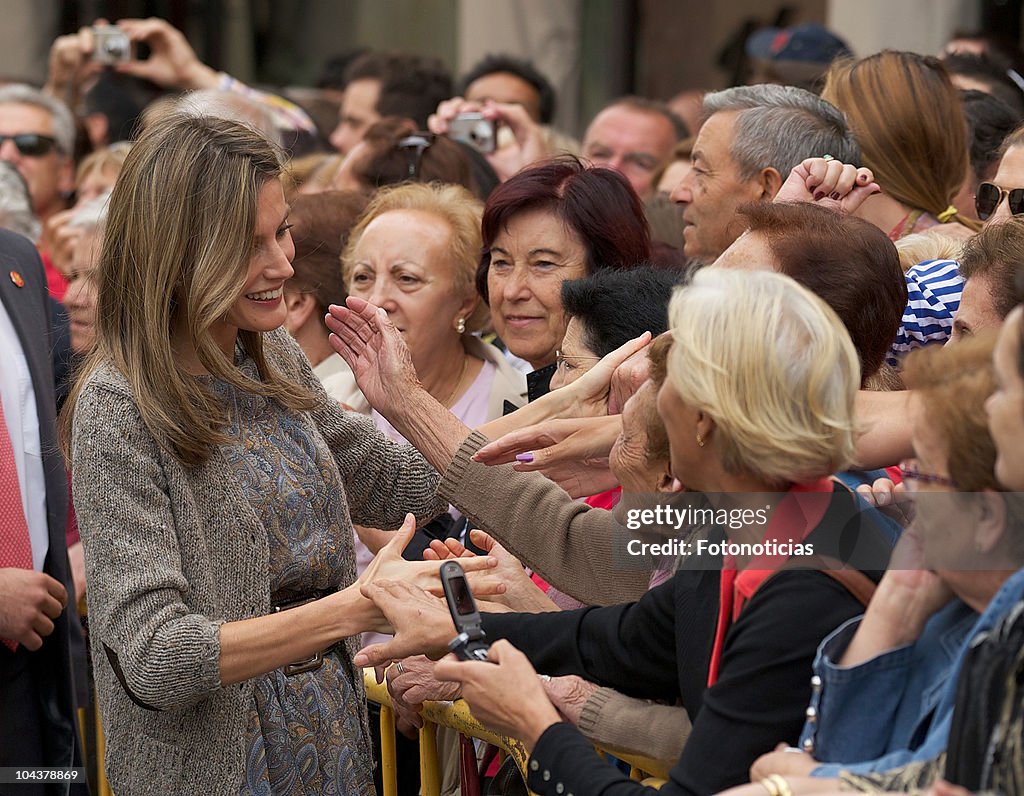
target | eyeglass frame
[
  {"x": 1014, "y": 195},
  {"x": 50, "y": 141},
  {"x": 561, "y": 358},
  {"x": 910, "y": 472},
  {"x": 414, "y": 146}
]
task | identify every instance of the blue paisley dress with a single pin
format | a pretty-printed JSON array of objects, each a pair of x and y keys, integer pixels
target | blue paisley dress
[{"x": 306, "y": 732}]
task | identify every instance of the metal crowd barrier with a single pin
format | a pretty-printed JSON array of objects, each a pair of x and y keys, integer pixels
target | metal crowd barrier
[{"x": 457, "y": 716}]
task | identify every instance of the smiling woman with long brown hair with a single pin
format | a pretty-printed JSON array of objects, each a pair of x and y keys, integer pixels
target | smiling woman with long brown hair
[{"x": 216, "y": 485}]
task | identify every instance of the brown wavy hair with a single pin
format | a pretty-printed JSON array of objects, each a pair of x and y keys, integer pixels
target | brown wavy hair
[
  {"x": 908, "y": 118},
  {"x": 180, "y": 230}
]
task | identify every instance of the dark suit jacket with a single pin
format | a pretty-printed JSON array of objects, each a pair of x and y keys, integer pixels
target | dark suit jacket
[{"x": 29, "y": 310}]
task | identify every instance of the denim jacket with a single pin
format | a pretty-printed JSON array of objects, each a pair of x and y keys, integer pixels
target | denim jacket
[{"x": 895, "y": 708}]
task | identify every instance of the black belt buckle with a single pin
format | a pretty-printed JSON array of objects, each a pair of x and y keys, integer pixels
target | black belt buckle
[{"x": 317, "y": 660}]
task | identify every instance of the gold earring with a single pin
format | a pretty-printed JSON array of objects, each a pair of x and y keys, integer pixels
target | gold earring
[
  {"x": 700, "y": 440},
  {"x": 460, "y": 325}
]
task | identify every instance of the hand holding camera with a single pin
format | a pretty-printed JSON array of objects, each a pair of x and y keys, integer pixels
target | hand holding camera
[
  {"x": 172, "y": 63},
  {"x": 478, "y": 123},
  {"x": 111, "y": 45}
]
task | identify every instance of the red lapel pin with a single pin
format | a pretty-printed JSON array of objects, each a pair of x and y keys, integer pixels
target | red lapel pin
[{"x": 17, "y": 279}]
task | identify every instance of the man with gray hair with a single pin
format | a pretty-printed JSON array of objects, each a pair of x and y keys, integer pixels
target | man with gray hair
[
  {"x": 37, "y": 137},
  {"x": 752, "y": 137}
]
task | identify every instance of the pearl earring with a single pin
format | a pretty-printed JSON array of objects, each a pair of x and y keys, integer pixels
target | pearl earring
[{"x": 460, "y": 325}]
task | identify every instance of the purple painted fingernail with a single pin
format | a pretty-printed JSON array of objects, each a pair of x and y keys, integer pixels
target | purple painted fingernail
[
  {"x": 834, "y": 195},
  {"x": 524, "y": 457},
  {"x": 819, "y": 195}
]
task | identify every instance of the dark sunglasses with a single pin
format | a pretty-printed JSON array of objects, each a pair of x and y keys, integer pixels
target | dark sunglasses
[
  {"x": 414, "y": 146},
  {"x": 990, "y": 196},
  {"x": 31, "y": 145}
]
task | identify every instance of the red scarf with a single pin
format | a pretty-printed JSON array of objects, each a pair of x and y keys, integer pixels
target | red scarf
[{"x": 793, "y": 520}]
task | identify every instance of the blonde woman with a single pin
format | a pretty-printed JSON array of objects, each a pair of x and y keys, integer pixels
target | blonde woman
[
  {"x": 760, "y": 406},
  {"x": 216, "y": 484},
  {"x": 908, "y": 118}
]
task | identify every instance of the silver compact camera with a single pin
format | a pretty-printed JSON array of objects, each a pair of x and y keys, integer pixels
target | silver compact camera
[
  {"x": 111, "y": 45},
  {"x": 476, "y": 131}
]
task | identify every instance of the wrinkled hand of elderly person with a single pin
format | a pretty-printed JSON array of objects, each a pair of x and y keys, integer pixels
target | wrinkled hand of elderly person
[
  {"x": 829, "y": 183},
  {"x": 627, "y": 378},
  {"x": 797, "y": 785},
  {"x": 414, "y": 683},
  {"x": 917, "y": 592},
  {"x": 507, "y": 697},
  {"x": 368, "y": 341},
  {"x": 521, "y": 593},
  {"x": 388, "y": 564},
  {"x": 421, "y": 623},
  {"x": 890, "y": 498},
  {"x": 605, "y": 388},
  {"x": 572, "y": 452},
  {"x": 943, "y": 788},
  {"x": 569, "y": 694},
  {"x": 60, "y": 238}
]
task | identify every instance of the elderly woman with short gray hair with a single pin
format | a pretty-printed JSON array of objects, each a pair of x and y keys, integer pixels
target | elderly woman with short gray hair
[{"x": 756, "y": 406}]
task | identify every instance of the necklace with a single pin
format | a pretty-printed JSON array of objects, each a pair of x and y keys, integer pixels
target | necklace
[{"x": 458, "y": 382}]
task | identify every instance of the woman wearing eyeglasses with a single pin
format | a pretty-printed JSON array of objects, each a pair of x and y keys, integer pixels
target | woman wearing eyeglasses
[{"x": 885, "y": 684}]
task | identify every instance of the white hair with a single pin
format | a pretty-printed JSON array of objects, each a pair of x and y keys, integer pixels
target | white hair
[
  {"x": 233, "y": 107},
  {"x": 16, "y": 212}
]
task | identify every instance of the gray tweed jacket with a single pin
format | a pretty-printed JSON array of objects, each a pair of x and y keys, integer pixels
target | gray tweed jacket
[{"x": 172, "y": 552}]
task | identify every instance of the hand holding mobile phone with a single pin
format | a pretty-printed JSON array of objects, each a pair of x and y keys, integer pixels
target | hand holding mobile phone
[{"x": 471, "y": 643}]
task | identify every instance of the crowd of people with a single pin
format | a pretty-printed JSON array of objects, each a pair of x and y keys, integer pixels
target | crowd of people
[{"x": 722, "y": 414}]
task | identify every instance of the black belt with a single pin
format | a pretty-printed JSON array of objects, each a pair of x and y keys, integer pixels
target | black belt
[{"x": 316, "y": 661}]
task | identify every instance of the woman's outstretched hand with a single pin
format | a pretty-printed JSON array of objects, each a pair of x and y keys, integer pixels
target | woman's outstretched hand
[{"x": 368, "y": 341}]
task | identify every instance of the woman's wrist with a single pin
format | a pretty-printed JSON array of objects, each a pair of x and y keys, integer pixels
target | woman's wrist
[{"x": 352, "y": 613}]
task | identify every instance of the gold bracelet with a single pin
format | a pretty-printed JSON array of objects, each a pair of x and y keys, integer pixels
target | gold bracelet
[{"x": 776, "y": 785}]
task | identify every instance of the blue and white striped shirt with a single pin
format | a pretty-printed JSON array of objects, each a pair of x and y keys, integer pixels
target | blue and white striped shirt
[{"x": 933, "y": 297}]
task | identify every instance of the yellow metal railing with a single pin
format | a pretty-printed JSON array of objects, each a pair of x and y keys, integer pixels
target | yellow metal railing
[{"x": 457, "y": 716}]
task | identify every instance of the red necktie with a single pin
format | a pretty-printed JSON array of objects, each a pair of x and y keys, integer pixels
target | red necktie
[{"x": 15, "y": 545}]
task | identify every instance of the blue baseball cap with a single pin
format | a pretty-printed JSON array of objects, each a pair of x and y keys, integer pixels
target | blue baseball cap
[{"x": 809, "y": 43}]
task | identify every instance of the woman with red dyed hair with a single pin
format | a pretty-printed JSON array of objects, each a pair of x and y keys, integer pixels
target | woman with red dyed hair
[{"x": 549, "y": 223}]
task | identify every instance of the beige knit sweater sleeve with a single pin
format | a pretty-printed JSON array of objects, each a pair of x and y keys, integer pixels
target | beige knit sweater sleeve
[
  {"x": 579, "y": 550},
  {"x": 620, "y": 723},
  {"x": 167, "y": 655}
]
